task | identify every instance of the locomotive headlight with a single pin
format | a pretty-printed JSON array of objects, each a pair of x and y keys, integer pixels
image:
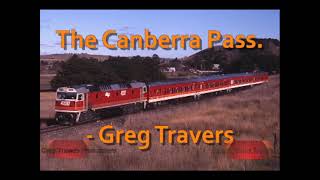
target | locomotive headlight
[{"x": 71, "y": 90}]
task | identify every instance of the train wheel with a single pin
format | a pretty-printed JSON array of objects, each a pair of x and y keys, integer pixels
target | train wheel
[
  {"x": 72, "y": 122},
  {"x": 89, "y": 115},
  {"x": 72, "y": 119}
]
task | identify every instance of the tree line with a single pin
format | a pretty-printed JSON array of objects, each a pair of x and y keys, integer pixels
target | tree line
[{"x": 79, "y": 70}]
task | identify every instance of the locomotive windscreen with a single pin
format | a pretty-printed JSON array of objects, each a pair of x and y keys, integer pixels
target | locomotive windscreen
[{"x": 66, "y": 95}]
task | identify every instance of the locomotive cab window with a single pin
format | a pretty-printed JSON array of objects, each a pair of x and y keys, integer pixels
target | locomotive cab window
[
  {"x": 66, "y": 95},
  {"x": 80, "y": 97}
]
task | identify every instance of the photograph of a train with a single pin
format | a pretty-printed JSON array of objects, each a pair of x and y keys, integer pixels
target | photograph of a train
[{"x": 196, "y": 91}]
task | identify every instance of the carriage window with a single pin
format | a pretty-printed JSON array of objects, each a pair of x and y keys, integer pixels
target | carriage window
[{"x": 144, "y": 89}]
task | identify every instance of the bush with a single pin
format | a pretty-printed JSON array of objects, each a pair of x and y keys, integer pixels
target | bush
[{"x": 77, "y": 70}]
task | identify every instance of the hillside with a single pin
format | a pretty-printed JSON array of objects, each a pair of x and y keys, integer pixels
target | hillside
[
  {"x": 63, "y": 57},
  {"x": 269, "y": 55},
  {"x": 270, "y": 46}
]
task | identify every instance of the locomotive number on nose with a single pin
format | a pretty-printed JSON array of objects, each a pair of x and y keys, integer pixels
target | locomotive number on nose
[{"x": 65, "y": 103}]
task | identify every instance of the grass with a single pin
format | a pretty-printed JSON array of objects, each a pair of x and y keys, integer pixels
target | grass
[
  {"x": 45, "y": 81},
  {"x": 47, "y": 102},
  {"x": 253, "y": 114}
]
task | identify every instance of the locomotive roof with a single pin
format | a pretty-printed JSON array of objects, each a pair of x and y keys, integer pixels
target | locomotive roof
[
  {"x": 199, "y": 79},
  {"x": 106, "y": 87}
]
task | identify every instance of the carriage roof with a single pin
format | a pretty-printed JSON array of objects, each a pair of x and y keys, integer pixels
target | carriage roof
[{"x": 200, "y": 79}]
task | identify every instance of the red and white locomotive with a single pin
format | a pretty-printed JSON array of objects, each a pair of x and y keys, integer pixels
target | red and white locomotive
[{"x": 77, "y": 103}]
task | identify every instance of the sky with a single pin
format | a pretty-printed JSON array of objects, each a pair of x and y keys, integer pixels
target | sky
[{"x": 262, "y": 23}]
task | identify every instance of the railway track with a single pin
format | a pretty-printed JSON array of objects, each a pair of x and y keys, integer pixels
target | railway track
[
  {"x": 52, "y": 128},
  {"x": 57, "y": 127}
]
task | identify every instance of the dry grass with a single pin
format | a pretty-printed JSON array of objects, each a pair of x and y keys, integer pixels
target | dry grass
[
  {"x": 45, "y": 81},
  {"x": 47, "y": 102},
  {"x": 252, "y": 113}
]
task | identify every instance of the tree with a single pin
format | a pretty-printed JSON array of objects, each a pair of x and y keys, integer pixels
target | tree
[
  {"x": 155, "y": 56},
  {"x": 77, "y": 70}
]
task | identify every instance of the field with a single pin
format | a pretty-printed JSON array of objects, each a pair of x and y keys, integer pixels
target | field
[
  {"x": 252, "y": 113},
  {"x": 47, "y": 105},
  {"x": 45, "y": 81}
]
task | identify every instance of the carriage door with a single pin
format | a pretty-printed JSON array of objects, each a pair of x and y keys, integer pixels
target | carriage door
[
  {"x": 143, "y": 90},
  {"x": 86, "y": 101},
  {"x": 81, "y": 98}
]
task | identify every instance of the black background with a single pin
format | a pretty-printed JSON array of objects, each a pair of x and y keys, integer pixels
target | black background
[{"x": 21, "y": 84}]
